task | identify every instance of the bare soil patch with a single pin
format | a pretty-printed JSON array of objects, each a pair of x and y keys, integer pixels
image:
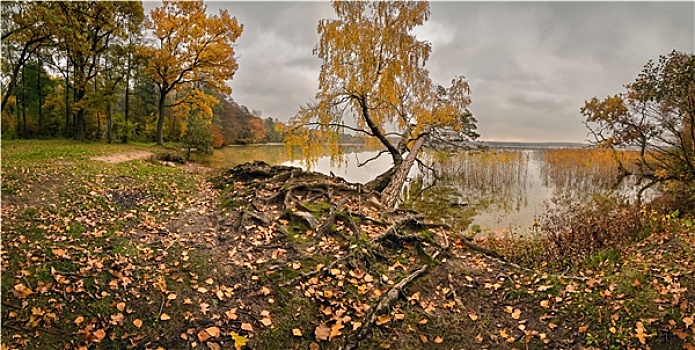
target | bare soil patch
[{"x": 123, "y": 157}]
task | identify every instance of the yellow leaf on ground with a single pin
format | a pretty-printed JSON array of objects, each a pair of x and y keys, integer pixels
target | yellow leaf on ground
[
  {"x": 545, "y": 303},
  {"x": 399, "y": 317},
  {"x": 335, "y": 330},
  {"x": 297, "y": 332},
  {"x": 239, "y": 340},
  {"x": 383, "y": 319},
  {"x": 165, "y": 317},
  {"x": 21, "y": 291}
]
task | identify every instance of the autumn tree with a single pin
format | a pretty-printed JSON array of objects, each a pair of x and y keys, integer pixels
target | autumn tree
[
  {"x": 189, "y": 47},
  {"x": 656, "y": 115},
  {"x": 81, "y": 33},
  {"x": 24, "y": 32},
  {"x": 373, "y": 81}
]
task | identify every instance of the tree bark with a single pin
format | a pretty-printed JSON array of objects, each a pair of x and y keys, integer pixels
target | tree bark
[
  {"x": 160, "y": 121},
  {"x": 127, "y": 101},
  {"x": 24, "y": 103},
  {"x": 390, "y": 195},
  {"x": 40, "y": 93}
]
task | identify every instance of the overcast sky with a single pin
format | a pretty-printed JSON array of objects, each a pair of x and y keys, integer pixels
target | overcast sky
[{"x": 531, "y": 65}]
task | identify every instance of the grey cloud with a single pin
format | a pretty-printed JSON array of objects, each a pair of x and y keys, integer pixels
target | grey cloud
[{"x": 531, "y": 65}]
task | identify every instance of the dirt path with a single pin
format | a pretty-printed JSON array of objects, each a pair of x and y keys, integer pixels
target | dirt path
[{"x": 123, "y": 157}]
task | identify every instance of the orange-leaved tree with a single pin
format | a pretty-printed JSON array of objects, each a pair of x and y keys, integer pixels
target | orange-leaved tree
[
  {"x": 656, "y": 115},
  {"x": 190, "y": 48},
  {"x": 374, "y": 78}
]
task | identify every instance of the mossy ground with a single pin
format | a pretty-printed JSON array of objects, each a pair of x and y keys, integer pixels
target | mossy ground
[{"x": 137, "y": 255}]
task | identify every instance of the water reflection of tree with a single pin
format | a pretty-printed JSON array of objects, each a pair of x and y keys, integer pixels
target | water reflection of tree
[
  {"x": 231, "y": 156},
  {"x": 491, "y": 181}
]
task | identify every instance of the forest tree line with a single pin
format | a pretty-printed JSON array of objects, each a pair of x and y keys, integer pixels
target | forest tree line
[{"x": 104, "y": 71}]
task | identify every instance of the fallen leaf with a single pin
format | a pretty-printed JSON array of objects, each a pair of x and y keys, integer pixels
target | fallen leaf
[
  {"x": 399, "y": 317},
  {"x": 639, "y": 329},
  {"x": 545, "y": 303},
  {"x": 213, "y": 345},
  {"x": 383, "y": 319},
  {"x": 79, "y": 320},
  {"x": 231, "y": 314},
  {"x": 438, "y": 340},
  {"x": 99, "y": 335},
  {"x": 688, "y": 321},
  {"x": 137, "y": 323},
  {"x": 120, "y": 306},
  {"x": 335, "y": 330},
  {"x": 297, "y": 332},
  {"x": 247, "y": 327},
  {"x": 322, "y": 332},
  {"x": 266, "y": 321},
  {"x": 472, "y": 316},
  {"x": 423, "y": 339},
  {"x": 171, "y": 296},
  {"x": 516, "y": 314},
  {"x": 165, "y": 317},
  {"x": 583, "y": 329},
  {"x": 239, "y": 340},
  {"x": 213, "y": 331},
  {"x": 21, "y": 291},
  {"x": 203, "y": 336}
]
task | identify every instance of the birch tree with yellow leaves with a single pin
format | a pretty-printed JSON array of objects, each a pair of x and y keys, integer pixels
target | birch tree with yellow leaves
[
  {"x": 190, "y": 49},
  {"x": 373, "y": 82}
]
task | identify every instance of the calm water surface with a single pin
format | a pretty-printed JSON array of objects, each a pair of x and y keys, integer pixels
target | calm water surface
[{"x": 502, "y": 190}]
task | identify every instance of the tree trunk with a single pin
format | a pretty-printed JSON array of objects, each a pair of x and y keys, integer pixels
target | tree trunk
[
  {"x": 67, "y": 103},
  {"x": 24, "y": 104},
  {"x": 390, "y": 195},
  {"x": 160, "y": 121},
  {"x": 382, "y": 181},
  {"x": 108, "y": 122},
  {"x": 127, "y": 102},
  {"x": 40, "y": 92},
  {"x": 79, "y": 127}
]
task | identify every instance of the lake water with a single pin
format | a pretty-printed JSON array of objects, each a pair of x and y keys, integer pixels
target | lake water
[{"x": 505, "y": 189}]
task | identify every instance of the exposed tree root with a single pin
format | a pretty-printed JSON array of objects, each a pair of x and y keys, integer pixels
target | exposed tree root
[{"x": 323, "y": 216}]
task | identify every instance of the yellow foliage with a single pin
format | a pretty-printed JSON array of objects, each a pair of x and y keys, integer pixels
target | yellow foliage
[
  {"x": 373, "y": 70},
  {"x": 192, "y": 46}
]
